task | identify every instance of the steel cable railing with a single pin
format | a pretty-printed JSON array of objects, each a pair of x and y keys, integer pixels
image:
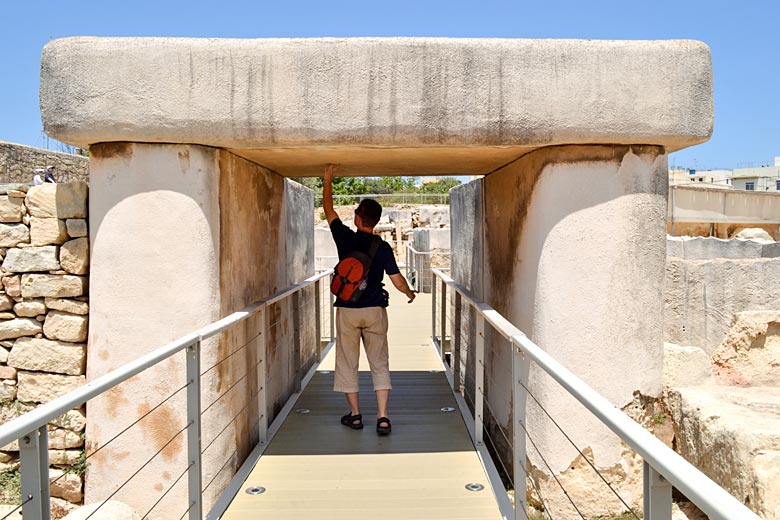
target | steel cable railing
[
  {"x": 663, "y": 468},
  {"x": 31, "y": 428}
]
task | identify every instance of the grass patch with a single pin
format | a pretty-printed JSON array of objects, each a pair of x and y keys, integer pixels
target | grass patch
[
  {"x": 11, "y": 487},
  {"x": 659, "y": 418}
]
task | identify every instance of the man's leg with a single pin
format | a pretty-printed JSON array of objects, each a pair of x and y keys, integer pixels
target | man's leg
[
  {"x": 375, "y": 343},
  {"x": 347, "y": 358}
]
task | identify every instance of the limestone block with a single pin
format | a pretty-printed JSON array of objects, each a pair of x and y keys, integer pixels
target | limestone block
[
  {"x": 18, "y": 328},
  {"x": 56, "y": 286},
  {"x": 404, "y": 216},
  {"x": 434, "y": 216},
  {"x": 41, "y": 388},
  {"x": 77, "y": 227},
  {"x": 7, "y": 315},
  {"x": 685, "y": 366},
  {"x": 61, "y": 439},
  {"x": 61, "y": 507},
  {"x": 45, "y": 231},
  {"x": 5, "y": 302},
  {"x": 7, "y": 372},
  {"x": 732, "y": 434},
  {"x": 13, "y": 234},
  {"x": 13, "y": 286},
  {"x": 65, "y": 327},
  {"x": 71, "y": 306},
  {"x": 11, "y": 209},
  {"x": 74, "y": 256},
  {"x": 750, "y": 353},
  {"x": 4, "y": 354},
  {"x": 32, "y": 259},
  {"x": 65, "y": 485},
  {"x": 30, "y": 308},
  {"x": 5, "y": 457},
  {"x": 754, "y": 233},
  {"x": 64, "y": 201},
  {"x": 10, "y": 411},
  {"x": 63, "y": 457},
  {"x": 7, "y": 392},
  {"x": 74, "y": 421},
  {"x": 110, "y": 510},
  {"x": 43, "y": 355}
]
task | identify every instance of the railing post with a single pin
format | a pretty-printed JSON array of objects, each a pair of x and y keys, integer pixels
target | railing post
[
  {"x": 261, "y": 375},
  {"x": 318, "y": 318},
  {"x": 443, "y": 319},
  {"x": 520, "y": 373},
  {"x": 433, "y": 311},
  {"x": 456, "y": 342},
  {"x": 657, "y": 495},
  {"x": 195, "y": 471},
  {"x": 479, "y": 371},
  {"x": 296, "y": 301},
  {"x": 34, "y": 455}
]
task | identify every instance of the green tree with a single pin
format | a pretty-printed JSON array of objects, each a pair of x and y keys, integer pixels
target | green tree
[{"x": 443, "y": 185}]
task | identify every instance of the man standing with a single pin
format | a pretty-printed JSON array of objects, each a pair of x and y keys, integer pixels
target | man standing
[{"x": 365, "y": 319}]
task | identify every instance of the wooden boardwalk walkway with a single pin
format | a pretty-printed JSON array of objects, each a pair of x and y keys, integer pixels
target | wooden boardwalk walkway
[{"x": 315, "y": 468}]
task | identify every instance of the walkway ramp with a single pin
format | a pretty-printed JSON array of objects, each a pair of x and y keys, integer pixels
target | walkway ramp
[{"x": 316, "y": 468}]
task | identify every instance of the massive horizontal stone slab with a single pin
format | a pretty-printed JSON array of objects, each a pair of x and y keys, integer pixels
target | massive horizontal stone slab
[{"x": 377, "y": 105}]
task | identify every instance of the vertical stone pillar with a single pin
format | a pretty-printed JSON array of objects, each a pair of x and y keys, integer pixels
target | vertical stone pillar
[
  {"x": 183, "y": 235},
  {"x": 576, "y": 260}
]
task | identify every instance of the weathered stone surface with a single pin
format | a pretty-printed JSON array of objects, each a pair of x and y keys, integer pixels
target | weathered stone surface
[
  {"x": 4, "y": 352},
  {"x": 41, "y": 388},
  {"x": 31, "y": 259},
  {"x": 71, "y": 306},
  {"x": 77, "y": 227},
  {"x": 65, "y": 327},
  {"x": 111, "y": 510},
  {"x": 538, "y": 78},
  {"x": 13, "y": 286},
  {"x": 403, "y": 216},
  {"x": 62, "y": 439},
  {"x": 5, "y": 302},
  {"x": 754, "y": 233},
  {"x": 434, "y": 216},
  {"x": 18, "y": 328},
  {"x": 710, "y": 248},
  {"x": 45, "y": 231},
  {"x": 63, "y": 457},
  {"x": 64, "y": 201},
  {"x": 74, "y": 256},
  {"x": 10, "y": 411},
  {"x": 686, "y": 366},
  {"x": 56, "y": 286},
  {"x": 74, "y": 421},
  {"x": 732, "y": 434},
  {"x": 7, "y": 372},
  {"x": 65, "y": 485},
  {"x": 750, "y": 353},
  {"x": 61, "y": 507},
  {"x": 8, "y": 392},
  {"x": 7, "y": 315},
  {"x": 13, "y": 234},
  {"x": 30, "y": 309},
  {"x": 43, "y": 355},
  {"x": 10, "y": 512},
  {"x": 11, "y": 209},
  {"x": 701, "y": 297}
]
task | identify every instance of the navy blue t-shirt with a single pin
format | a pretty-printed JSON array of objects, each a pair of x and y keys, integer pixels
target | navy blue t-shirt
[{"x": 384, "y": 262}]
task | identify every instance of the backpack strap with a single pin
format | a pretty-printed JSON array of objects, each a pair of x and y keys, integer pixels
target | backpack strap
[{"x": 375, "y": 243}]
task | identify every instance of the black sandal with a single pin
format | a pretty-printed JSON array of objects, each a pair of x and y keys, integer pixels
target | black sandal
[
  {"x": 383, "y": 430},
  {"x": 349, "y": 420}
]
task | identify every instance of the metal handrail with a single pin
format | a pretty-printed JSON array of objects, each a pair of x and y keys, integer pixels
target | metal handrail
[
  {"x": 707, "y": 495},
  {"x": 31, "y": 428}
]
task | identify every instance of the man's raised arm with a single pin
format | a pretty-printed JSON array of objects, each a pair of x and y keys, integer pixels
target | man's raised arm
[{"x": 327, "y": 193}]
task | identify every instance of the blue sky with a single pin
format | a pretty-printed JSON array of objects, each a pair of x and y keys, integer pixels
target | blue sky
[{"x": 743, "y": 38}]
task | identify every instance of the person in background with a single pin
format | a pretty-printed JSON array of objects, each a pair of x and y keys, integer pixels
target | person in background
[
  {"x": 38, "y": 176},
  {"x": 49, "y": 177}
]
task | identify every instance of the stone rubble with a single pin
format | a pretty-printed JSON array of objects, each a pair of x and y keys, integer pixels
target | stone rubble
[{"x": 43, "y": 321}]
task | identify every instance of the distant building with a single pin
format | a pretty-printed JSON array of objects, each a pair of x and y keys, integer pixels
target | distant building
[
  {"x": 761, "y": 178},
  {"x": 705, "y": 178}
]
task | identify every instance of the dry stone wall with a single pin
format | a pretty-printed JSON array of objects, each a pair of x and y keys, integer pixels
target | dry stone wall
[
  {"x": 18, "y": 162},
  {"x": 44, "y": 309}
]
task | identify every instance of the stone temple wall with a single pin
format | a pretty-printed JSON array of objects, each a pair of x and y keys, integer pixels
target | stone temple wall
[
  {"x": 18, "y": 162},
  {"x": 44, "y": 248}
]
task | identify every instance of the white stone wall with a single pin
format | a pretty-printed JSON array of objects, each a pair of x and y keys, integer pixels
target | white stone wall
[{"x": 44, "y": 317}]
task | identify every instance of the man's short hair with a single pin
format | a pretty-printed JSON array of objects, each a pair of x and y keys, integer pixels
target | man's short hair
[{"x": 370, "y": 211}]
